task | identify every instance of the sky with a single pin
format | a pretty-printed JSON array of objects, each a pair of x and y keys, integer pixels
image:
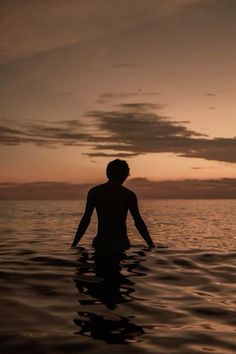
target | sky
[{"x": 149, "y": 81}]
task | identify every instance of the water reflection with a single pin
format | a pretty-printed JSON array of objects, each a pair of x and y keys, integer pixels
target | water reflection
[{"x": 103, "y": 281}]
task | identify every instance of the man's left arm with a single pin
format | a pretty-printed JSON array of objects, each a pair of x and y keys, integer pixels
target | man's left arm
[{"x": 139, "y": 223}]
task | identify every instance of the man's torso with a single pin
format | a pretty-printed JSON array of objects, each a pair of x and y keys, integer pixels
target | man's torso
[{"x": 112, "y": 203}]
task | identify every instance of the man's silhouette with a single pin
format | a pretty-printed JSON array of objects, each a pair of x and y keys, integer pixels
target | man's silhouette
[{"x": 112, "y": 202}]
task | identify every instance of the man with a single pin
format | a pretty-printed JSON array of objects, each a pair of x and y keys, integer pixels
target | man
[{"x": 112, "y": 202}]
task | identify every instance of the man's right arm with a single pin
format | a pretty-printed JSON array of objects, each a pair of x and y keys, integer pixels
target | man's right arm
[
  {"x": 138, "y": 221},
  {"x": 85, "y": 220}
]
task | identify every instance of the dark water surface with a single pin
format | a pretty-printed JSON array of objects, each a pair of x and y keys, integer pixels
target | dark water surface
[{"x": 177, "y": 298}]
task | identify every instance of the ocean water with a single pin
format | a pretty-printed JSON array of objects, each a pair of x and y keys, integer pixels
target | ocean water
[{"x": 177, "y": 298}]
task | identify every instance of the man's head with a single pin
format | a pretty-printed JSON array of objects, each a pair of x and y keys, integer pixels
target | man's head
[{"x": 117, "y": 170}]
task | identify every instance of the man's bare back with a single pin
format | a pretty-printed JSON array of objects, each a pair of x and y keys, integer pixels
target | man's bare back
[{"x": 112, "y": 202}]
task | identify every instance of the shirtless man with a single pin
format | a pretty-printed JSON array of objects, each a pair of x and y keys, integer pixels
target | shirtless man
[{"x": 112, "y": 202}]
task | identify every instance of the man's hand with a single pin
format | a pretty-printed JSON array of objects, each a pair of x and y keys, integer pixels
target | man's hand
[
  {"x": 151, "y": 245},
  {"x": 74, "y": 243}
]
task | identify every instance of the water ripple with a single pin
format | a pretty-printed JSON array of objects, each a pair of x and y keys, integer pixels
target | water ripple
[{"x": 179, "y": 298}]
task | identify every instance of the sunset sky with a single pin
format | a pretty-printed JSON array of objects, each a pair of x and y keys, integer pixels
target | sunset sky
[{"x": 149, "y": 81}]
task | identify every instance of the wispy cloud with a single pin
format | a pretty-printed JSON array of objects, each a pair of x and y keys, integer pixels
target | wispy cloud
[
  {"x": 30, "y": 28},
  {"x": 211, "y": 94},
  {"x": 111, "y": 96},
  {"x": 141, "y": 106},
  {"x": 44, "y": 133}
]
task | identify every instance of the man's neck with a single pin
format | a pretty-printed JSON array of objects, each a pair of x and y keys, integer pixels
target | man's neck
[{"x": 115, "y": 182}]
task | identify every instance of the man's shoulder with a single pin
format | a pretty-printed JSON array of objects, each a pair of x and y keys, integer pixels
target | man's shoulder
[
  {"x": 96, "y": 188},
  {"x": 104, "y": 188},
  {"x": 129, "y": 192}
]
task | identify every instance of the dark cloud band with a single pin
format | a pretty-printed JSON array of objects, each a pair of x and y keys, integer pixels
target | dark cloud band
[{"x": 130, "y": 130}]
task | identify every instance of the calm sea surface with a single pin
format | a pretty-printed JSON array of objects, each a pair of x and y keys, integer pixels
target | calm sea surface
[{"x": 177, "y": 298}]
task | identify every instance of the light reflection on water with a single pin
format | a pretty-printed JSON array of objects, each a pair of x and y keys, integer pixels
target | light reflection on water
[{"x": 177, "y": 298}]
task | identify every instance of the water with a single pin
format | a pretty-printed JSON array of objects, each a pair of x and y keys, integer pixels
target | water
[{"x": 177, "y": 298}]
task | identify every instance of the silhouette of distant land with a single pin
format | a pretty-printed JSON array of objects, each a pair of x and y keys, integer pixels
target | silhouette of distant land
[{"x": 218, "y": 188}]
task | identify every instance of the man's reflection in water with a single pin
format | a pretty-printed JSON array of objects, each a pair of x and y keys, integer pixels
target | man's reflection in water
[{"x": 103, "y": 279}]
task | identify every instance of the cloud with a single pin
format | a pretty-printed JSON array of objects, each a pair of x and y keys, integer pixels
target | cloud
[
  {"x": 130, "y": 130},
  {"x": 106, "y": 154},
  {"x": 135, "y": 129},
  {"x": 201, "y": 168},
  {"x": 210, "y": 94},
  {"x": 181, "y": 189},
  {"x": 31, "y": 27},
  {"x": 44, "y": 133},
  {"x": 141, "y": 107},
  {"x": 114, "y": 95},
  {"x": 110, "y": 96}
]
